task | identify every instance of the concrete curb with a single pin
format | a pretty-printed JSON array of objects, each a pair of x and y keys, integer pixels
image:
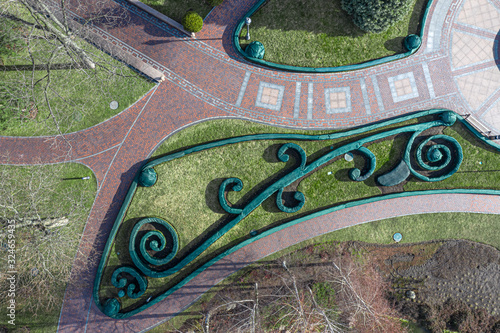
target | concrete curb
[
  {"x": 127, "y": 57},
  {"x": 95, "y": 37},
  {"x": 159, "y": 16}
]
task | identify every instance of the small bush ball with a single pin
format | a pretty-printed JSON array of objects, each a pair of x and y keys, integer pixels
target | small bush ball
[{"x": 192, "y": 22}]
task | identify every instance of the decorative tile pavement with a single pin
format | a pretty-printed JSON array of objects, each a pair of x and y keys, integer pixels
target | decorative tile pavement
[
  {"x": 468, "y": 49},
  {"x": 492, "y": 116},
  {"x": 403, "y": 87},
  {"x": 480, "y": 13},
  {"x": 243, "y": 88},
  {"x": 270, "y": 96},
  {"x": 310, "y": 100},
  {"x": 296, "y": 106},
  {"x": 338, "y": 100},
  {"x": 477, "y": 86}
]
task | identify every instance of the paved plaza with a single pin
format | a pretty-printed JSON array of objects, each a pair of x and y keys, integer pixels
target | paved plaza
[{"x": 457, "y": 67}]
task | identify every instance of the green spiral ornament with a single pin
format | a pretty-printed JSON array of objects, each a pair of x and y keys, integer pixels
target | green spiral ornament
[
  {"x": 237, "y": 185},
  {"x": 283, "y": 155},
  {"x": 298, "y": 196},
  {"x": 355, "y": 173},
  {"x": 127, "y": 279},
  {"x": 438, "y": 156},
  {"x": 155, "y": 241}
]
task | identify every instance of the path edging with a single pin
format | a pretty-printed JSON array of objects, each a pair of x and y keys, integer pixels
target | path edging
[{"x": 159, "y": 15}]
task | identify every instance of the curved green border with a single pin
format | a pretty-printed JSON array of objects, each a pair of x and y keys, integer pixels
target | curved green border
[
  {"x": 201, "y": 147},
  {"x": 370, "y": 63}
]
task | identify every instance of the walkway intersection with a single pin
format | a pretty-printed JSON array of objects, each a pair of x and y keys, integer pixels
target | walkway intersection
[{"x": 456, "y": 68}]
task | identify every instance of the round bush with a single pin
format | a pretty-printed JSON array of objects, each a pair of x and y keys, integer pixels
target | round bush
[
  {"x": 214, "y": 3},
  {"x": 376, "y": 15},
  {"x": 192, "y": 22}
]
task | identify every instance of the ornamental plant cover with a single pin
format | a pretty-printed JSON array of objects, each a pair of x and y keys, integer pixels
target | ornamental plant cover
[{"x": 376, "y": 15}]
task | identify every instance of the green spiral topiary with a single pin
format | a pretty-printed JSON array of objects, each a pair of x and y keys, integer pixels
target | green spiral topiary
[{"x": 192, "y": 21}]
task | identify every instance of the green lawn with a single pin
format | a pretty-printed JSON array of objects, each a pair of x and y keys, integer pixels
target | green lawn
[
  {"x": 78, "y": 98},
  {"x": 49, "y": 191},
  {"x": 176, "y": 9},
  {"x": 321, "y": 34}
]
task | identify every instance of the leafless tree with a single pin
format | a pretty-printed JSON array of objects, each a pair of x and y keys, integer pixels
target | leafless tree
[
  {"x": 291, "y": 301},
  {"x": 30, "y": 197},
  {"x": 361, "y": 297},
  {"x": 38, "y": 39}
]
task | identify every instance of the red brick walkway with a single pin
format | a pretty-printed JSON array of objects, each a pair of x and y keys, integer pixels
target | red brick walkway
[{"x": 205, "y": 78}]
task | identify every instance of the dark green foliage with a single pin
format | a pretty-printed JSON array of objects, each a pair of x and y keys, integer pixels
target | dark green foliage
[
  {"x": 376, "y": 15},
  {"x": 214, "y": 3},
  {"x": 192, "y": 22}
]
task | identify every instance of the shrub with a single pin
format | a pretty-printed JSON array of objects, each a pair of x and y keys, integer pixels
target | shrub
[
  {"x": 376, "y": 15},
  {"x": 214, "y": 3},
  {"x": 192, "y": 22}
]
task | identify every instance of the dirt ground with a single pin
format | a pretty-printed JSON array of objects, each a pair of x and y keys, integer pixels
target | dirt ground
[
  {"x": 456, "y": 285},
  {"x": 457, "y": 269}
]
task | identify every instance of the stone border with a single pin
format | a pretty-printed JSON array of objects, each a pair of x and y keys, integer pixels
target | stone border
[
  {"x": 96, "y": 37},
  {"x": 159, "y": 15},
  {"x": 117, "y": 52}
]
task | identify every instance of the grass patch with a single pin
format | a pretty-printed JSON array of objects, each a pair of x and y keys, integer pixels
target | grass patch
[
  {"x": 320, "y": 34},
  {"x": 78, "y": 97},
  {"x": 176, "y": 9},
  {"x": 48, "y": 251}
]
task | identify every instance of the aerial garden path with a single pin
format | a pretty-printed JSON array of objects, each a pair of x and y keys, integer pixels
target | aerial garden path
[{"x": 456, "y": 68}]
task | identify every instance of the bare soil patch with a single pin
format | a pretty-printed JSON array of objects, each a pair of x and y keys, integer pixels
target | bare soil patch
[{"x": 456, "y": 285}]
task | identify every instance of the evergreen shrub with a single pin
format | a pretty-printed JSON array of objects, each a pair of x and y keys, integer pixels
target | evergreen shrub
[
  {"x": 376, "y": 15},
  {"x": 192, "y": 21}
]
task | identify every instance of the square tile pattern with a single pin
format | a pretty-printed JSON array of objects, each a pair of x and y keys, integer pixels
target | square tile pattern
[
  {"x": 480, "y": 13},
  {"x": 269, "y": 96},
  {"x": 403, "y": 87},
  {"x": 338, "y": 100}
]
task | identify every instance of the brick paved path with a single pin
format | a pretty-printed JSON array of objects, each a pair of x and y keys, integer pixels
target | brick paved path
[{"x": 205, "y": 78}]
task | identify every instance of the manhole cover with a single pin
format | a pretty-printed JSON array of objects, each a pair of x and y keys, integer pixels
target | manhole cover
[
  {"x": 397, "y": 237},
  {"x": 348, "y": 157},
  {"x": 410, "y": 294},
  {"x": 113, "y": 105}
]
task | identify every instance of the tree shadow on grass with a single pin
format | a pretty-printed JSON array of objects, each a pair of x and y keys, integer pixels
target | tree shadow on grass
[{"x": 395, "y": 44}]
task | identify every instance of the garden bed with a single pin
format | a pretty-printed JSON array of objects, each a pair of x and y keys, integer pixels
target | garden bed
[
  {"x": 321, "y": 34},
  {"x": 188, "y": 194}
]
